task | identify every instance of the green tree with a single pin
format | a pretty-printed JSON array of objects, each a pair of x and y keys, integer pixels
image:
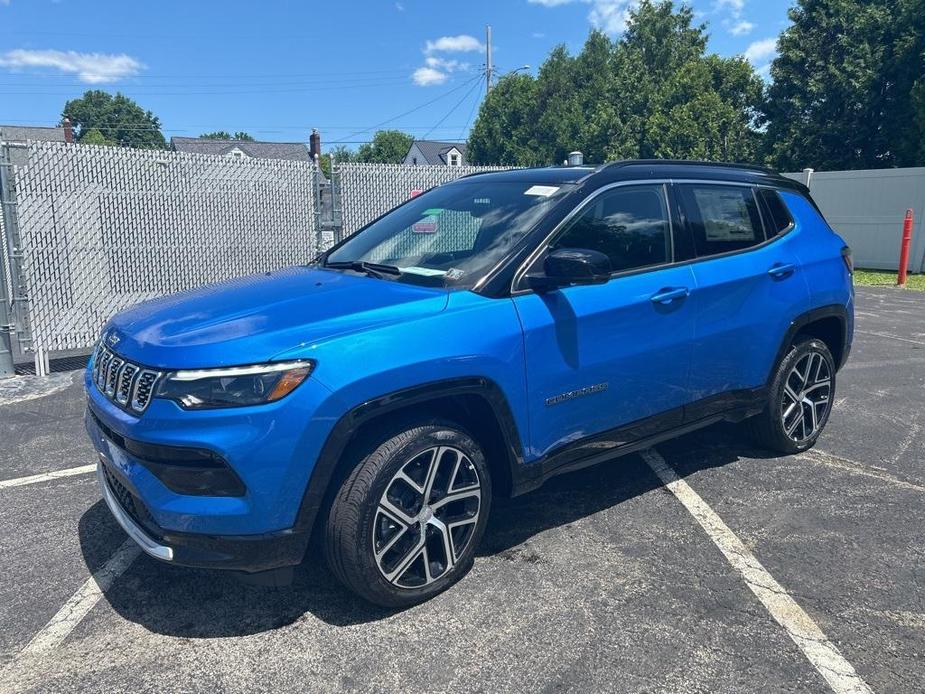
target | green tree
[
  {"x": 117, "y": 118},
  {"x": 654, "y": 92},
  {"x": 848, "y": 86},
  {"x": 94, "y": 137},
  {"x": 225, "y": 135},
  {"x": 341, "y": 154},
  {"x": 387, "y": 147}
]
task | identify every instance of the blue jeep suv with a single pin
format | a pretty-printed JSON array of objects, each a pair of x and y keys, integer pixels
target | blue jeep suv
[{"x": 474, "y": 341}]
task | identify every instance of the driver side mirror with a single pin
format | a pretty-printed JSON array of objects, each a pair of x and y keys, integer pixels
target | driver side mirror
[{"x": 565, "y": 267}]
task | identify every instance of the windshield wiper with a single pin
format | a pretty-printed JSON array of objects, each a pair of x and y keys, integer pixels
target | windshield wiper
[{"x": 376, "y": 270}]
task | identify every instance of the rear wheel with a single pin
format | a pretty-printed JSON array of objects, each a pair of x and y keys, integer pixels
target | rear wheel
[
  {"x": 405, "y": 524},
  {"x": 800, "y": 398}
]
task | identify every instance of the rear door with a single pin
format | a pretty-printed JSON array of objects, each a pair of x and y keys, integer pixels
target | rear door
[
  {"x": 601, "y": 356},
  {"x": 749, "y": 285}
]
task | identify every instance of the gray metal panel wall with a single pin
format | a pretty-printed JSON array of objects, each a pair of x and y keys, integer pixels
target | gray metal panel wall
[{"x": 867, "y": 208}]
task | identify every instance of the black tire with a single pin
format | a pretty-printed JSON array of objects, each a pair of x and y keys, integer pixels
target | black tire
[
  {"x": 357, "y": 513},
  {"x": 770, "y": 427}
]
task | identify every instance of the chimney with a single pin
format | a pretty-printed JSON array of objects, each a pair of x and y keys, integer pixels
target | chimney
[
  {"x": 68, "y": 131},
  {"x": 314, "y": 144}
]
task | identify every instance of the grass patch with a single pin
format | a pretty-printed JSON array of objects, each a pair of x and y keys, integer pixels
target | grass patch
[{"x": 886, "y": 278}]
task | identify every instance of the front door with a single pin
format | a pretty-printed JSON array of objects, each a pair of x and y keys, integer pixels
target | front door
[{"x": 602, "y": 356}]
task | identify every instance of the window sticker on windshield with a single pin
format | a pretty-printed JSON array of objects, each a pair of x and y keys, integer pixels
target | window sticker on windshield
[
  {"x": 433, "y": 211},
  {"x": 423, "y": 271},
  {"x": 542, "y": 191},
  {"x": 454, "y": 274},
  {"x": 482, "y": 201},
  {"x": 428, "y": 225}
]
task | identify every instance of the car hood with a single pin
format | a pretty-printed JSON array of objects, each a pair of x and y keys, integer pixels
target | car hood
[{"x": 252, "y": 319}]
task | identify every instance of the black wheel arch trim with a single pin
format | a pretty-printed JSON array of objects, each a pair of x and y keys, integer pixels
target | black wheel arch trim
[
  {"x": 830, "y": 311},
  {"x": 342, "y": 434}
]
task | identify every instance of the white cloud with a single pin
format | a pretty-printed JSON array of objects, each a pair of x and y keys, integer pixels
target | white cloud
[
  {"x": 454, "y": 44},
  {"x": 610, "y": 16},
  {"x": 538, "y": 35},
  {"x": 734, "y": 6},
  {"x": 436, "y": 70},
  {"x": 93, "y": 68},
  {"x": 741, "y": 28},
  {"x": 399, "y": 7},
  {"x": 4, "y": 2},
  {"x": 428, "y": 77},
  {"x": 445, "y": 64},
  {"x": 761, "y": 51}
]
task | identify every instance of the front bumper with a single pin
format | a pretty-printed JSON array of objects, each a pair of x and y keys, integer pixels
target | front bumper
[{"x": 247, "y": 553}]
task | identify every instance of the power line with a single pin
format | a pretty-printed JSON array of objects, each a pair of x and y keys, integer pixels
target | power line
[
  {"x": 455, "y": 106},
  {"x": 416, "y": 108},
  {"x": 475, "y": 104}
]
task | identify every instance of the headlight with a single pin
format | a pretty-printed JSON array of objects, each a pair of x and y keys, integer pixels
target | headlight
[{"x": 235, "y": 386}]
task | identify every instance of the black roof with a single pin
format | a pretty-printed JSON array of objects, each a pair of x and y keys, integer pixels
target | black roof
[{"x": 636, "y": 169}]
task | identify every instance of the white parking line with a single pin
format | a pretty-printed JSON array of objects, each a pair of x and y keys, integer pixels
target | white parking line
[
  {"x": 80, "y": 604},
  {"x": 45, "y": 476},
  {"x": 806, "y": 634},
  {"x": 890, "y": 336}
]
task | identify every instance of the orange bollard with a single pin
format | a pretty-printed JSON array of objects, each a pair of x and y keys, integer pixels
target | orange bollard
[{"x": 904, "y": 250}]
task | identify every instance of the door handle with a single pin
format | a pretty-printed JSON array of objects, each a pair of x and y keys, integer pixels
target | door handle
[
  {"x": 780, "y": 270},
  {"x": 669, "y": 294}
]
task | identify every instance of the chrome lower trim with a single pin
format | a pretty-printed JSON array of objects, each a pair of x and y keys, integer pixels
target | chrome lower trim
[{"x": 134, "y": 531}]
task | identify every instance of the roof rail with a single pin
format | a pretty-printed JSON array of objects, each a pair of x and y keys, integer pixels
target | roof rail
[{"x": 688, "y": 162}]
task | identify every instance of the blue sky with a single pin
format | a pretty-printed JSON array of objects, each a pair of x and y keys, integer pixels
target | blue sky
[{"x": 278, "y": 69}]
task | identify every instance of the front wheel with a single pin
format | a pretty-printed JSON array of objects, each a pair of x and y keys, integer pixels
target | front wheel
[
  {"x": 405, "y": 524},
  {"x": 799, "y": 400}
]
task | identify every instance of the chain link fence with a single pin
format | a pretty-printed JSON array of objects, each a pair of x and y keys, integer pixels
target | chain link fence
[{"x": 103, "y": 228}]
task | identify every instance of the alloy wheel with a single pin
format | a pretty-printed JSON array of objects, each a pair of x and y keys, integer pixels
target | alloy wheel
[
  {"x": 426, "y": 517},
  {"x": 806, "y": 398}
]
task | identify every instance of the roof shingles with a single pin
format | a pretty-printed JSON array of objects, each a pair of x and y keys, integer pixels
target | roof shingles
[{"x": 292, "y": 151}]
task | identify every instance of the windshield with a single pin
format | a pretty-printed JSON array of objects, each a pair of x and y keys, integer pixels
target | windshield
[{"x": 451, "y": 235}]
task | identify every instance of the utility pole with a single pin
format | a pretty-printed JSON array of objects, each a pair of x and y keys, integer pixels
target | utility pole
[{"x": 488, "y": 66}]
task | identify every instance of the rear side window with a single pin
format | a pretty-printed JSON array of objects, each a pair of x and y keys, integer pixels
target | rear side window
[
  {"x": 778, "y": 217},
  {"x": 722, "y": 218},
  {"x": 628, "y": 224}
]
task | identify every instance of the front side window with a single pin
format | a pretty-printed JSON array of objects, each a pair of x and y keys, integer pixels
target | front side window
[
  {"x": 722, "y": 218},
  {"x": 628, "y": 224},
  {"x": 453, "y": 234}
]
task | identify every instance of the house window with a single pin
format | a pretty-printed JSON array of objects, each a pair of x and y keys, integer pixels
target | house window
[{"x": 454, "y": 159}]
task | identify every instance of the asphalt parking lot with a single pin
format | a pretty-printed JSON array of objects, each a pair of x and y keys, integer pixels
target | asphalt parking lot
[{"x": 603, "y": 580}]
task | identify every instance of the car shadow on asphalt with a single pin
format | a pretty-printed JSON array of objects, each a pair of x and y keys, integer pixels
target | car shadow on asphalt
[{"x": 193, "y": 603}]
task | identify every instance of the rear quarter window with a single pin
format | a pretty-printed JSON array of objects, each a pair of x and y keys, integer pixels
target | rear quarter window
[{"x": 777, "y": 216}]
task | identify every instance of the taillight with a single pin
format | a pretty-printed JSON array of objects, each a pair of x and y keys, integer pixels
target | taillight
[{"x": 846, "y": 256}]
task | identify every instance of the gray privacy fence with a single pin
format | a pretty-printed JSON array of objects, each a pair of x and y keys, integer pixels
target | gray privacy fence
[
  {"x": 102, "y": 228},
  {"x": 369, "y": 190},
  {"x": 867, "y": 209}
]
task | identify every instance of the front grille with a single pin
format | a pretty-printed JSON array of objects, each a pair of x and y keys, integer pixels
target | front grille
[{"x": 128, "y": 385}]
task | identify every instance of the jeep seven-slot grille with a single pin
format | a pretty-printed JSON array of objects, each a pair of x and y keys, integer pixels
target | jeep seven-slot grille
[{"x": 128, "y": 385}]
